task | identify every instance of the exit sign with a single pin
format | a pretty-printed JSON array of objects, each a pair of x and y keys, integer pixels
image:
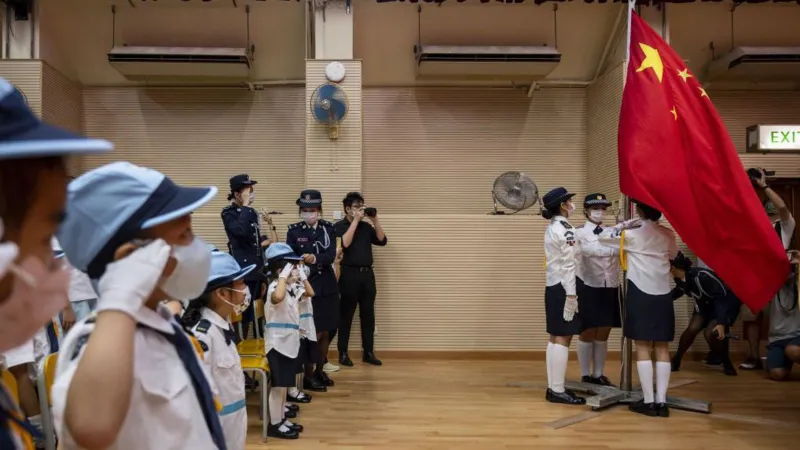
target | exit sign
[{"x": 773, "y": 138}]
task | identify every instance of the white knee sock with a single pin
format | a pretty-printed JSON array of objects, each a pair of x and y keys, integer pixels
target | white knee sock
[
  {"x": 277, "y": 395},
  {"x": 600, "y": 352},
  {"x": 559, "y": 368},
  {"x": 663, "y": 371},
  {"x": 549, "y": 363},
  {"x": 294, "y": 392},
  {"x": 585, "y": 357},
  {"x": 645, "y": 369}
]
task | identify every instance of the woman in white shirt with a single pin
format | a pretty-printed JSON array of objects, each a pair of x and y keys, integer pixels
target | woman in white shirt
[
  {"x": 560, "y": 297},
  {"x": 649, "y": 313}
]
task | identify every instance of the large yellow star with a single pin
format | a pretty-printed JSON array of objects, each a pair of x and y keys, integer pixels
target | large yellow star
[
  {"x": 652, "y": 60},
  {"x": 674, "y": 112},
  {"x": 702, "y": 92},
  {"x": 684, "y": 74}
]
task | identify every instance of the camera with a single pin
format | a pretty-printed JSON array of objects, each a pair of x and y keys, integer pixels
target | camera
[
  {"x": 755, "y": 173},
  {"x": 370, "y": 212}
]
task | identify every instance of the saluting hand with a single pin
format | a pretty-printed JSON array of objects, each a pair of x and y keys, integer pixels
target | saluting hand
[{"x": 308, "y": 258}]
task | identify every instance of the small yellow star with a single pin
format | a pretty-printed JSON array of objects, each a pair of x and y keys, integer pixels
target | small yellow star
[
  {"x": 674, "y": 112},
  {"x": 702, "y": 92},
  {"x": 652, "y": 60},
  {"x": 684, "y": 74}
]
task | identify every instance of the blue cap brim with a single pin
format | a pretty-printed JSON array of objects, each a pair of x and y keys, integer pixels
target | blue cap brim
[
  {"x": 243, "y": 273},
  {"x": 222, "y": 281},
  {"x": 46, "y": 140},
  {"x": 58, "y": 254},
  {"x": 185, "y": 201}
]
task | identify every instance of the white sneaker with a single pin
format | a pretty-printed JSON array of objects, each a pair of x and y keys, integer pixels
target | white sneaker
[{"x": 328, "y": 367}]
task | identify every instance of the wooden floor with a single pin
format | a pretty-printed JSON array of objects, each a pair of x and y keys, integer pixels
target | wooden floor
[{"x": 469, "y": 405}]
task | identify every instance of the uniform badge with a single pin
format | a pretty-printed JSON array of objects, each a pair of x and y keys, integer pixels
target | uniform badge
[
  {"x": 302, "y": 240},
  {"x": 203, "y": 326},
  {"x": 203, "y": 345},
  {"x": 599, "y": 197},
  {"x": 566, "y": 224},
  {"x": 308, "y": 197},
  {"x": 570, "y": 237}
]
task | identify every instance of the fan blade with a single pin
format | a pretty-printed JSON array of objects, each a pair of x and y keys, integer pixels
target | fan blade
[
  {"x": 320, "y": 113},
  {"x": 327, "y": 91},
  {"x": 338, "y": 109}
]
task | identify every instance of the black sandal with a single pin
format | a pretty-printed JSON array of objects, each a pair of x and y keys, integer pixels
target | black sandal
[{"x": 302, "y": 397}]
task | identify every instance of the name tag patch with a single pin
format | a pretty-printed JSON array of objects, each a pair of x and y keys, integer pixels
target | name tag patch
[{"x": 302, "y": 240}]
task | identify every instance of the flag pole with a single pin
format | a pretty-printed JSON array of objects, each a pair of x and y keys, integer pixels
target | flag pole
[{"x": 626, "y": 372}]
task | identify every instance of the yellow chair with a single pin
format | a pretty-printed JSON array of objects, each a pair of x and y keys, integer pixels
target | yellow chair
[
  {"x": 44, "y": 384},
  {"x": 252, "y": 347},
  {"x": 259, "y": 365},
  {"x": 11, "y": 385}
]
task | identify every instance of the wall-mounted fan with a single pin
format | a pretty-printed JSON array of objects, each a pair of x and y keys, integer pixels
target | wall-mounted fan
[
  {"x": 329, "y": 106},
  {"x": 514, "y": 190}
]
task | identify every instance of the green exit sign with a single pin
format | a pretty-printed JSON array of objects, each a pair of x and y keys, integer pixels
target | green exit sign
[{"x": 773, "y": 138}]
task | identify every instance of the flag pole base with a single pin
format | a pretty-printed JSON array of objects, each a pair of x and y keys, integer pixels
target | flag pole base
[{"x": 605, "y": 396}]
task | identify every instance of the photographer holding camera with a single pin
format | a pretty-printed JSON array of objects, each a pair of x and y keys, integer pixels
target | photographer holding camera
[{"x": 357, "y": 281}]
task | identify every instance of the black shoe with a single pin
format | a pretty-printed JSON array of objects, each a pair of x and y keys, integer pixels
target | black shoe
[
  {"x": 566, "y": 397},
  {"x": 292, "y": 407},
  {"x": 712, "y": 360},
  {"x": 325, "y": 379},
  {"x": 313, "y": 384},
  {"x": 602, "y": 380},
  {"x": 587, "y": 379},
  {"x": 727, "y": 367},
  {"x": 647, "y": 409},
  {"x": 344, "y": 359},
  {"x": 676, "y": 365},
  {"x": 296, "y": 427},
  {"x": 301, "y": 398},
  {"x": 290, "y": 414},
  {"x": 274, "y": 431},
  {"x": 662, "y": 409},
  {"x": 370, "y": 358}
]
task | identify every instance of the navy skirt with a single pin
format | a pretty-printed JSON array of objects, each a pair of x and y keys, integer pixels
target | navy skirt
[
  {"x": 648, "y": 317},
  {"x": 554, "y": 299},
  {"x": 282, "y": 369},
  {"x": 599, "y": 307}
]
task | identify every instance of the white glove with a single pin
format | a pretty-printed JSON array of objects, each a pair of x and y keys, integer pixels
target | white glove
[
  {"x": 287, "y": 270},
  {"x": 301, "y": 272},
  {"x": 570, "y": 308},
  {"x": 128, "y": 283},
  {"x": 632, "y": 223}
]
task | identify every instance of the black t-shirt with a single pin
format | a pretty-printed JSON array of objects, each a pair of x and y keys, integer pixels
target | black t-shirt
[{"x": 359, "y": 253}]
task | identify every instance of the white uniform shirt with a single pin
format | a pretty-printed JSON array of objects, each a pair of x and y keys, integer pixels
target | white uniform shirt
[
  {"x": 648, "y": 250},
  {"x": 787, "y": 231},
  {"x": 307, "y": 328},
  {"x": 283, "y": 323},
  {"x": 222, "y": 360},
  {"x": 559, "y": 254},
  {"x": 598, "y": 265},
  {"x": 164, "y": 412}
]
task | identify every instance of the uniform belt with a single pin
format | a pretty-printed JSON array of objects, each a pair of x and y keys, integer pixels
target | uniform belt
[
  {"x": 306, "y": 315},
  {"x": 233, "y": 407},
  {"x": 360, "y": 268}
]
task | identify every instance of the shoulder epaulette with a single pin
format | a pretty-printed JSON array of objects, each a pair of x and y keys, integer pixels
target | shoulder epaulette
[
  {"x": 295, "y": 225},
  {"x": 325, "y": 223},
  {"x": 203, "y": 326},
  {"x": 566, "y": 224}
]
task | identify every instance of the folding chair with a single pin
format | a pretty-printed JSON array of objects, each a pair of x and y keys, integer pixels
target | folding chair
[
  {"x": 11, "y": 385},
  {"x": 259, "y": 365},
  {"x": 252, "y": 347},
  {"x": 44, "y": 382}
]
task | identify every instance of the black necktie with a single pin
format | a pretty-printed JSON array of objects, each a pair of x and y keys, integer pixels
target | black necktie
[
  {"x": 230, "y": 336},
  {"x": 202, "y": 389},
  {"x": 598, "y": 229}
]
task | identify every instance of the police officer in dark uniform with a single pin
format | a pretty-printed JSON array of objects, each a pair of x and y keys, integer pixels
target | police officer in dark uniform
[
  {"x": 315, "y": 240},
  {"x": 245, "y": 241}
]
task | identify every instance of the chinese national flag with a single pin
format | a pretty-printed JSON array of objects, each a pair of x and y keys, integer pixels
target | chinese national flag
[{"x": 676, "y": 155}]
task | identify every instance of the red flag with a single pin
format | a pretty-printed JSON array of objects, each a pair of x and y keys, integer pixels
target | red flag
[{"x": 676, "y": 155}]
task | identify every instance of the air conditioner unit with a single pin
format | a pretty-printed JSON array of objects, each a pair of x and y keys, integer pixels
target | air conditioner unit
[
  {"x": 143, "y": 63},
  {"x": 756, "y": 64},
  {"x": 529, "y": 63}
]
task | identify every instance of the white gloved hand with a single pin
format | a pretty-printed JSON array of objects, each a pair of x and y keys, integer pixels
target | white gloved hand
[
  {"x": 128, "y": 283},
  {"x": 301, "y": 272},
  {"x": 8, "y": 253},
  {"x": 287, "y": 270},
  {"x": 632, "y": 223},
  {"x": 570, "y": 308}
]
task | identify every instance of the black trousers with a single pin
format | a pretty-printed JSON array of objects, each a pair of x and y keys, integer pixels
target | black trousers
[
  {"x": 248, "y": 317},
  {"x": 357, "y": 289}
]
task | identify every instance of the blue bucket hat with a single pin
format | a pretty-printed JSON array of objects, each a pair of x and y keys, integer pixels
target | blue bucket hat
[
  {"x": 23, "y": 135},
  {"x": 278, "y": 251},
  {"x": 110, "y": 205},
  {"x": 225, "y": 270}
]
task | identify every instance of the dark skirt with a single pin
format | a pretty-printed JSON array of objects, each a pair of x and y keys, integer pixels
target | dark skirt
[
  {"x": 554, "y": 298},
  {"x": 326, "y": 312},
  {"x": 281, "y": 369},
  {"x": 309, "y": 354},
  {"x": 599, "y": 307},
  {"x": 648, "y": 317}
]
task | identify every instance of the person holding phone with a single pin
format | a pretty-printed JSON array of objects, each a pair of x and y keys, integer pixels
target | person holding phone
[
  {"x": 130, "y": 229},
  {"x": 356, "y": 278}
]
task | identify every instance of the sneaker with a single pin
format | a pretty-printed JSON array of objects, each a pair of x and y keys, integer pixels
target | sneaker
[
  {"x": 330, "y": 368},
  {"x": 751, "y": 364}
]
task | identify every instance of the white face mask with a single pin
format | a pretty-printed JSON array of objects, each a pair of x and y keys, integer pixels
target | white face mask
[
  {"x": 188, "y": 280},
  {"x": 252, "y": 196},
  {"x": 241, "y": 307},
  {"x": 596, "y": 215},
  {"x": 310, "y": 217}
]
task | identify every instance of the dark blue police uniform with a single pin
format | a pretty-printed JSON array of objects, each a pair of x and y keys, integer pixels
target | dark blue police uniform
[{"x": 244, "y": 243}]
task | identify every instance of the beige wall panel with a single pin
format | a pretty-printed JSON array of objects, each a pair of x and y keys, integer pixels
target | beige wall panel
[
  {"x": 333, "y": 166},
  {"x": 452, "y": 277},
  {"x": 26, "y": 75},
  {"x": 603, "y": 101},
  {"x": 62, "y": 105},
  {"x": 203, "y": 137},
  {"x": 440, "y": 150}
]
